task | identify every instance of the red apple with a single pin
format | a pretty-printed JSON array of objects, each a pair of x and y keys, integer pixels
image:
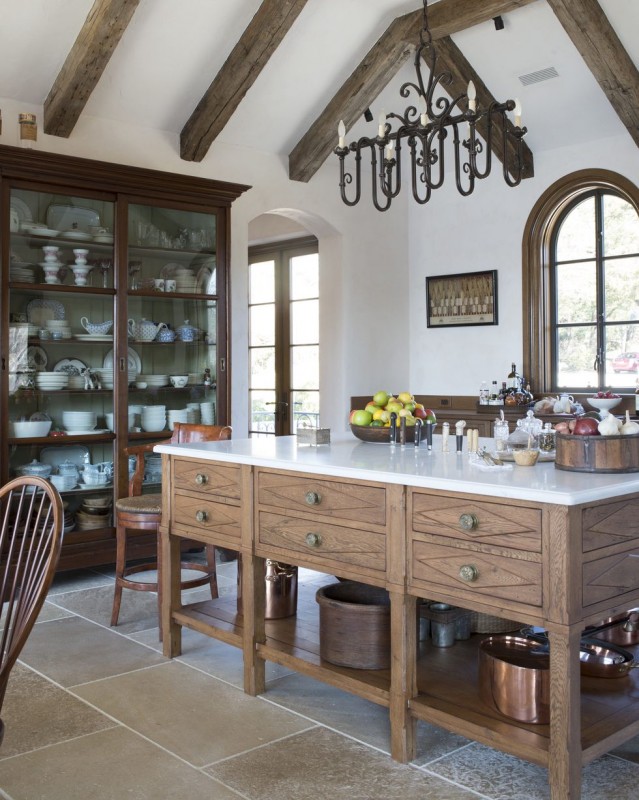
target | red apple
[{"x": 586, "y": 426}]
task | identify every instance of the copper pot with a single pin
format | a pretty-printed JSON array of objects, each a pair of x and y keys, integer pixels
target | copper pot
[
  {"x": 601, "y": 660},
  {"x": 514, "y": 677},
  {"x": 622, "y": 629}
]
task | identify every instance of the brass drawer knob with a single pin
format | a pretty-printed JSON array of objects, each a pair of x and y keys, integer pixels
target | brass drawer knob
[
  {"x": 468, "y": 522},
  {"x": 313, "y": 539},
  {"x": 201, "y": 516},
  {"x": 313, "y": 498},
  {"x": 201, "y": 479},
  {"x": 468, "y": 573}
]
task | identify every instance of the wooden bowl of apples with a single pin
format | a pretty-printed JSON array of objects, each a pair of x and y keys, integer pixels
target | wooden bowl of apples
[{"x": 381, "y": 435}]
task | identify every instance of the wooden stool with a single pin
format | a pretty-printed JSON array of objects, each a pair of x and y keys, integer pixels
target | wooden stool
[{"x": 143, "y": 512}]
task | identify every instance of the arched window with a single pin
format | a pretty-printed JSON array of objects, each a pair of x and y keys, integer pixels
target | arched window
[{"x": 581, "y": 284}]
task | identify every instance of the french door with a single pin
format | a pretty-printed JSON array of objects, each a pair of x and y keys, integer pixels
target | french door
[{"x": 283, "y": 337}]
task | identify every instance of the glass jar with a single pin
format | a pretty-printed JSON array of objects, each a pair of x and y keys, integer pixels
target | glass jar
[{"x": 500, "y": 432}]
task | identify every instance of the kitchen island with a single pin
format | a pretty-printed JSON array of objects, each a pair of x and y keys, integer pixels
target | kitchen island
[{"x": 538, "y": 545}]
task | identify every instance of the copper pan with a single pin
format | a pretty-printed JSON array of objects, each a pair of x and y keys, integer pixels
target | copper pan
[
  {"x": 514, "y": 677},
  {"x": 604, "y": 659}
]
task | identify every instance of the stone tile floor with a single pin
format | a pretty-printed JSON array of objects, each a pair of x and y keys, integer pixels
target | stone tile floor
[{"x": 97, "y": 713}]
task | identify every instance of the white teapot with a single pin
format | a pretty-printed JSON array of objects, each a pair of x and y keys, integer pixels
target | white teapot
[
  {"x": 564, "y": 404},
  {"x": 145, "y": 330}
]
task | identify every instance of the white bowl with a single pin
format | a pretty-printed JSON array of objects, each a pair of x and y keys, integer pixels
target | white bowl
[
  {"x": 604, "y": 402},
  {"x": 29, "y": 428}
]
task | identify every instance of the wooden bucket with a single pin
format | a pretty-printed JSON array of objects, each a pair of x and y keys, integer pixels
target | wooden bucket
[
  {"x": 354, "y": 625},
  {"x": 597, "y": 453}
]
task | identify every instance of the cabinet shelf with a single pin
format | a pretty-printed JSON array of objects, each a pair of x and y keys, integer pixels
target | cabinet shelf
[
  {"x": 168, "y": 252},
  {"x": 39, "y": 288}
]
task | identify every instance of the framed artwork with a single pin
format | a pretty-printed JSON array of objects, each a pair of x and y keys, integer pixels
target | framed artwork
[{"x": 468, "y": 298}]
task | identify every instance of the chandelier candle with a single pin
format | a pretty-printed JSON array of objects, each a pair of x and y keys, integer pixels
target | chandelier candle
[{"x": 429, "y": 129}]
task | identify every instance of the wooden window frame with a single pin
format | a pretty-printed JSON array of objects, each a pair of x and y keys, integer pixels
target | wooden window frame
[{"x": 536, "y": 263}]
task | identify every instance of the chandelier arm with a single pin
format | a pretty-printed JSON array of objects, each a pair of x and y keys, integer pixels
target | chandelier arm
[
  {"x": 436, "y": 156},
  {"x": 518, "y": 166},
  {"x": 460, "y": 168},
  {"x": 417, "y": 173},
  {"x": 376, "y": 202},
  {"x": 346, "y": 178},
  {"x": 475, "y": 146}
]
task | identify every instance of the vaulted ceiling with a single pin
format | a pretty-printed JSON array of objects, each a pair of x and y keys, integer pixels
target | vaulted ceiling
[{"x": 277, "y": 75}]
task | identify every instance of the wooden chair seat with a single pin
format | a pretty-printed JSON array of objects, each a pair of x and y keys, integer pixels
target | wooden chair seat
[{"x": 138, "y": 513}]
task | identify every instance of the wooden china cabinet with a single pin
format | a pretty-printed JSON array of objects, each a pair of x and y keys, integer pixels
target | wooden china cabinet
[{"x": 83, "y": 244}]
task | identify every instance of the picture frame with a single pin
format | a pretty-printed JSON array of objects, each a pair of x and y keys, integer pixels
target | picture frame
[{"x": 466, "y": 298}]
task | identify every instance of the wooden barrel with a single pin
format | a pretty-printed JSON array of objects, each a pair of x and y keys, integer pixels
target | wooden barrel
[
  {"x": 354, "y": 625},
  {"x": 597, "y": 453}
]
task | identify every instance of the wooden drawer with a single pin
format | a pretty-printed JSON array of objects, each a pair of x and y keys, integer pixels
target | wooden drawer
[
  {"x": 609, "y": 524},
  {"x": 340, "y": 500},
  {"x": 482, "y": 523},
  {"x": 498, "y": 577},
  {"x": 207, "y": 477},
  {"x": 323, "y": 540},
  {"x": 202, "y": 514},
  {"x": 611, "y": 576}
]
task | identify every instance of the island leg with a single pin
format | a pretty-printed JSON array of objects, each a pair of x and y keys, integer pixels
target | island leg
[
  {"x": 170, "y": 577},
  {"x": 403, "y": 674},
  {"x": 564, "y": 756},
  {"x": 253, "y": 607}
]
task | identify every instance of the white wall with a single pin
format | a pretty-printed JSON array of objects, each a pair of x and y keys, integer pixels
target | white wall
[{"x": 485, "y": 231}]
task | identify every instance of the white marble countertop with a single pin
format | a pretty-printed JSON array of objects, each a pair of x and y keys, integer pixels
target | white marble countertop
[{"x": 347, "y": 457}]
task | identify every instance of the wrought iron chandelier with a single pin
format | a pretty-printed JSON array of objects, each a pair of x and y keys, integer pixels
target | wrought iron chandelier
[{"x": 425, "y": 128}]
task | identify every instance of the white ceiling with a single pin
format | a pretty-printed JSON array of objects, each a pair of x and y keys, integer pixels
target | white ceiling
[{"x": 172, "y": 50}]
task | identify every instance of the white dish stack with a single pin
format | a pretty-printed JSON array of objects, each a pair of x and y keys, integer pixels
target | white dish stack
[
  {"x": 185, "y": 280},
  {"x": 177, "y": 415},
  {"x": 193, "y": 413},
  {"x": 153, "y": 418},
  {"x": 51, "y": 381},
  {"x": 59, "y": 327},
  {"x": 207, "y": 413}
]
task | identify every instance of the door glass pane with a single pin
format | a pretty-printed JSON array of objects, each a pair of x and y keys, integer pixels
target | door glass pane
[
  {"x": 576, "y": 353},
  {"x": 262, "y": 325},
  {"x": 304, "y": 276},
  {"x": 262, "y": 365},
  {"x": 576, "y": 293},
  {"x": 305, "y": 409},
  {"x": 262, "y": 282},
  {"x": 621, "y": 227},
  {"x": 262, "y": 405},
  {"x": 622, "y": 289},
  {"x": 576, "y": 237},
  {"x": 305, "y": 322},
  {"x": 305, "y": 367},
  {"x": 171, "y": 245}
]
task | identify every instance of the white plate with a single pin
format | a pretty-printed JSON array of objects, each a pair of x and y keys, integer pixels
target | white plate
[
  {"x": 169, "y": 270},
  {"x": 77, "y": 453},
  {"x": 205, "y": 281},
  {"x": 134, "y": 363},
  {"x": 22, "y": 209},
  {"x": 87, "y": 433},
  {"x": 78, "y": 236},
  {"x": 89, "y": 337},
  {"x": 36, "y": 357},
  {"x": 39, "y": 311},
  {"x": 70, "y": 366},
  {"x": 50, "y": 233},
  {"x": 103, "y": 238}
]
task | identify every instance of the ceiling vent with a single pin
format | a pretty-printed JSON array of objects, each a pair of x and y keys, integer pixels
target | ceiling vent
[{"x": 538, "y": 76}]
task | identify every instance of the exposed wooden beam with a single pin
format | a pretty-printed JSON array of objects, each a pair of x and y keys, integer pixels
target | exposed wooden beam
[
  {"x": 250, "y": 55},
  {"x": 102, "y": 30},
  {"x": 451, "y": 59},
  {"x": 600, "y": 47},
  {"x": 378, "y": 67}
]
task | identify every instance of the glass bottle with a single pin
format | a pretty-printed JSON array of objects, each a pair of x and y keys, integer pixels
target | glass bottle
[
  {"x": 500, "y": 432},
  {"x": 513, "y": 381},
  {"x": 484, "y": 394}
]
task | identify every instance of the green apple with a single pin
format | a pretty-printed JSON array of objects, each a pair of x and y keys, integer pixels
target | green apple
[
  {"x": 372, "y": 407},
  {"x": 361, "y": 417},
  {"x": 405, "y": 397},
  {"x": 380, "y": 399},
  {"x": 395, "y": 406}
]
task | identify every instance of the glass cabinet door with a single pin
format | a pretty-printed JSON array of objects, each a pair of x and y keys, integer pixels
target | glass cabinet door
[
  {"x": 61, "y": 308},
  {"x": 172, "y": 321}
]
